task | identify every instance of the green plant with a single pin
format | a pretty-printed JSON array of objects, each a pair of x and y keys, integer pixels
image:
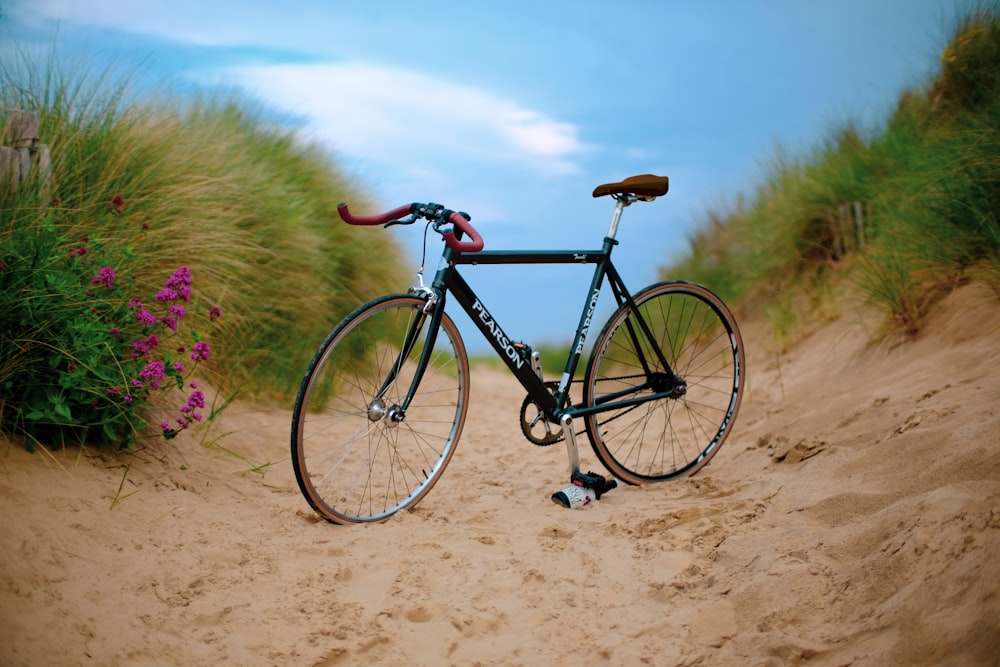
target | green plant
[
  {"x": 970, "y": 64},
  {"x": 928, "y": 184},
  {"x": 88, "y": 355},
  {"x": 243, "y": 201}
]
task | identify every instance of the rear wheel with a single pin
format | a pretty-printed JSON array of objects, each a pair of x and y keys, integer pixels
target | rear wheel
[
  {"x": 672, "y": 436},
  {"x": 357, "y": 457}
]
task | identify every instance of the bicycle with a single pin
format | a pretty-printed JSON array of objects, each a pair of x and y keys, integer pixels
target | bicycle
[{"x": 383, "y": 403}]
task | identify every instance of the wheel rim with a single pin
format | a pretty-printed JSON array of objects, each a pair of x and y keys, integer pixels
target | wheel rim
[
  {"x": 354, "y": 461},
  {"x": 667, "y": 438}
]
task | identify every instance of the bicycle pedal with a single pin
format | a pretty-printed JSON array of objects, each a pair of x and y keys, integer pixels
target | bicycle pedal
[
  {"x": 599, "y": 484},
  {"x": 588, "y": 480}
]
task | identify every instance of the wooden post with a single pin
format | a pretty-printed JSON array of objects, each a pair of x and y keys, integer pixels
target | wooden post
[
  {"x": 9, "y": 176},
  {"x": 20, "y": 148},
  {"x": 22, "y": 129},
  {"x": 859, "y": 226},
  {"x": 840, "y": 247}
]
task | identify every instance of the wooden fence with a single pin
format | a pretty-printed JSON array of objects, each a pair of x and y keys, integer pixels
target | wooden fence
[
  {"x": 851, "y": 233},
  {"x": 21, "y": 152}
]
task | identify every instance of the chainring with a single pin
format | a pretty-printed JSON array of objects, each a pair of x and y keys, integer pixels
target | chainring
[{"x": 536, "y": 428}]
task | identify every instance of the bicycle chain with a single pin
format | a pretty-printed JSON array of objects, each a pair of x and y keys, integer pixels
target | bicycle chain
[{"x": 557, "y": 436}]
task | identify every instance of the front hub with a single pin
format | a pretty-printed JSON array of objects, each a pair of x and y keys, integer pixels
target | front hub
[{"x": 377, "y": 411}]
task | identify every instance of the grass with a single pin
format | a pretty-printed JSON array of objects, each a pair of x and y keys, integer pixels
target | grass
[
  {"x": 209, "y": 183},
  {"x": 216, "y": 184},
  {"x": 927, "y": 184}
]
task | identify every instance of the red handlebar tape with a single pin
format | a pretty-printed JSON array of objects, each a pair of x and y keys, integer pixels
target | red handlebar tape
[
  {"x": 474, "y": 242},
  {"x": 349, "y": 218}
]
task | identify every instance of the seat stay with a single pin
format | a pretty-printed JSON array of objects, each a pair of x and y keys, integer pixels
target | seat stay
[{"x": 624, "y": 299}]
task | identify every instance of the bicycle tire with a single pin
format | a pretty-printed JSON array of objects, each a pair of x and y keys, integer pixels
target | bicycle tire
[
  {"x": 353, "y": 462},
  {"x": 671, "y": 437}
]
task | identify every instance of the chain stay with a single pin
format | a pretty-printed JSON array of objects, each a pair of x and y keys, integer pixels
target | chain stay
[{"x": 557, "y": 436}]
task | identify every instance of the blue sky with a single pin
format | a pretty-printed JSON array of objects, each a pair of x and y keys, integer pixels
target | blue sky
[{"x": 514, "y": 110}]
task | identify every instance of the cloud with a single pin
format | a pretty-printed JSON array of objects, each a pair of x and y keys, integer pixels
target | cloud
[
  {"x": 403, "y": 117},
  {"x": 183, "y": 21},
  {"x": 377, "y": 113}
]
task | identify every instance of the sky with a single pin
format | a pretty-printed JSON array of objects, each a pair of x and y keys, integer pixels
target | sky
[{"x": 515, "y": 110}]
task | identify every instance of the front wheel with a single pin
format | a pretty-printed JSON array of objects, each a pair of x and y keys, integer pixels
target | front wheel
[
  {"x": 357, "y": 455},
  {"x": 676, "y": 434}
]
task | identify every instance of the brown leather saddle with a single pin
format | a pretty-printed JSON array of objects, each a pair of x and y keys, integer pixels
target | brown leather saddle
[{"x": 643, "y": 186}]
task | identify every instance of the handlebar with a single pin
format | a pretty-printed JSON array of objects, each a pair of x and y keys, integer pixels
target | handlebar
[{"x": 437, "y": 214}]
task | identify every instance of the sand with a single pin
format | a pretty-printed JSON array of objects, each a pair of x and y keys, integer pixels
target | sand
[{"x": 853, "y": 518}]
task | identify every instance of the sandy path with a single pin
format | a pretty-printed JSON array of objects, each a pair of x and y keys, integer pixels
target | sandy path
[{"x": 852, "y": 519}]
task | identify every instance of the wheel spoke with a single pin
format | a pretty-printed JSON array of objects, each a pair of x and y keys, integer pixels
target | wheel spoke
[
  {"x": 353, "y": 461},
  {"x": 677, "y": 435}
]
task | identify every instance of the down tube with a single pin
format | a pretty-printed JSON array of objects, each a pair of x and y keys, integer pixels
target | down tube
[{"x": 501, "y": 343}]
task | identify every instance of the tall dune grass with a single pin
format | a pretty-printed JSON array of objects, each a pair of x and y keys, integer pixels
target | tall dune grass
[
  {"x": 208, "y": 183},
  {"x": 928, "y": 183}
]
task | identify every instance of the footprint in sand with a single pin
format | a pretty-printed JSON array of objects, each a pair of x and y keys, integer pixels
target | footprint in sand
[{"x": 419, "y": 614}]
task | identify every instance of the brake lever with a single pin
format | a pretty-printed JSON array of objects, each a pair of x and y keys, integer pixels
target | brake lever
[{"x": 408, "y": 221}]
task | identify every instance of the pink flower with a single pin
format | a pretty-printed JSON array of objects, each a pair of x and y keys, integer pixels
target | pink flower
[
  {"x": 145, "y": 317},
  {"x": 167, "y": 294},
  {"x": 200, "y": 351},
  {"x": 153, "y": 373},
  {"x": 106, "y": 275},
  {"x": 214, "y": 313},
  {"x": 179, "y": 278}
]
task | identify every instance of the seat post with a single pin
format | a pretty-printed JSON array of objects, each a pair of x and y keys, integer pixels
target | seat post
[{"x": 620, "y": 204}]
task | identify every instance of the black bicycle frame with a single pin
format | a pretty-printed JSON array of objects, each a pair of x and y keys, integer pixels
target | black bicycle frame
[{"x": 555, "y": 405}]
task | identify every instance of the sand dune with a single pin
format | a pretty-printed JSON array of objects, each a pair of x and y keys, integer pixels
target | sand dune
[{"x": 853, "y": 518}]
